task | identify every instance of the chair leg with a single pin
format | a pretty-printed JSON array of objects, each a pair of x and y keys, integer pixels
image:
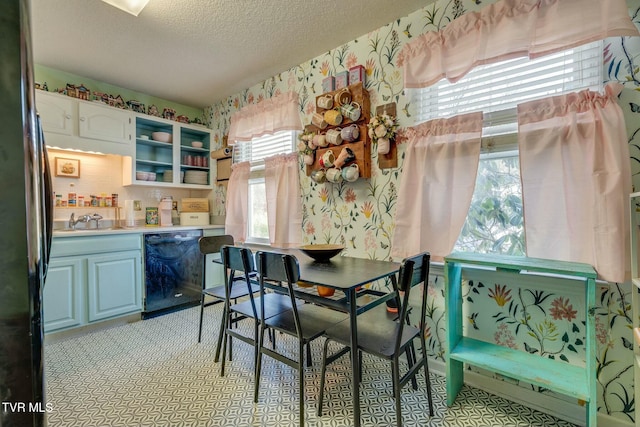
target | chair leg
[
  {"x": 201, "y": 315},
  {"x": 309, "y": 361},
  {"x": 256, "y": 386},
  {"x": 426, "y": 374},
  {"x": 221, "y": 333},
  {"x": 323, "y": 373},
  {"x": 301, "y": 379},
  {"x": 411, "y": 360},
  {"x": 395, "y": 375}
]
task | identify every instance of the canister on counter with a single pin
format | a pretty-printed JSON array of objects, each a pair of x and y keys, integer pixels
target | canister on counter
[
  {"x": 114, "y": 200},
  {"x": 80, "y": 201},
  {"x": 72, "y": 199}
]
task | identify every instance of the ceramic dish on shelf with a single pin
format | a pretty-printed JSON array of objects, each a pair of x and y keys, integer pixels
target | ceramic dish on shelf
[
  {"x": 162, "y": 136},
  {"x": 196, "y": 144}
]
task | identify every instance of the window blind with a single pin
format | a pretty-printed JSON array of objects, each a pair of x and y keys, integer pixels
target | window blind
[
  {"x": 256, "y": 150},
  {"x": 496, "y": 89}
]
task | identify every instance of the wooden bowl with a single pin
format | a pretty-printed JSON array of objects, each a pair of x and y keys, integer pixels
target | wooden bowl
[{"x": 322, "y": 253}]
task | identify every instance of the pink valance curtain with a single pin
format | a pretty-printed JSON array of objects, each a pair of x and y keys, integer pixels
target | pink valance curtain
[
  {"x": 438, "y": 179},
  {"x": 576, "y": 179},
  {"x": 271, "y": 115},
  {"x": 237, "y": 202},
  {"x": 508, "y": 29},
  {"x": 284, "y": 202}
]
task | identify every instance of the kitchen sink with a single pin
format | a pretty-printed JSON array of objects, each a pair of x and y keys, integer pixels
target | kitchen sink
[{"x": 83, "y": 230}]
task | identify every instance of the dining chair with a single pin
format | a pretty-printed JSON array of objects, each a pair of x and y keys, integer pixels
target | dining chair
[
  {"x": 304, "y": 321},
  {"x": 237, "y": 260},
  {"x": 389, "y": 337},
  {"x": 211, "y": 245}
]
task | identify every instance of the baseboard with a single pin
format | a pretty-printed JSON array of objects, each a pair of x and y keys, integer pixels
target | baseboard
[{"x": 568, "y": 411}]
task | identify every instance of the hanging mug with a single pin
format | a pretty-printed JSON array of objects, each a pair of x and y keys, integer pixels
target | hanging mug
[
  {"x": 346, "y": 156},
  {"x": 334, "y": 175},
  {"x": 334, "y": 136},
  {"x": 327, "y": 159},
  {"x": 318, "y": 121},
  {"x": 318, "y": 176},
  {"x": 350, "y": 133},
  {"x": 351, "y": 173},
  {"x": 325, "y": 102},
  {"x": 320, "y": 141},
  {"x": 308, "y": 158},
  {"x": 351, "y": 111},
  {"x": 333, "y": 117},
  {"x": 343, "y": 96}
]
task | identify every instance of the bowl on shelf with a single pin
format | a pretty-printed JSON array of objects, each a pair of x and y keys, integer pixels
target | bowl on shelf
[
  {"x": 322, "y": 253},
  {"x": 142, "y": 176},
  {"x": 196, "y": 144},
  {"x": 151, "y": 176},
  {"x": 162, "y": 136}
]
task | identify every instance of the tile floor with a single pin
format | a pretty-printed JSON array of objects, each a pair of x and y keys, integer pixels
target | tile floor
[{"x": 154, "y": 373}]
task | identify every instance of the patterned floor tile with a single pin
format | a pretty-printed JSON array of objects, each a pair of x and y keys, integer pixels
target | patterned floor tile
[{"x": 154, "y": 373}]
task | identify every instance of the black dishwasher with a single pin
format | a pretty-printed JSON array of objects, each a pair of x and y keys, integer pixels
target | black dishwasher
[{"x": 172, "y": 271}]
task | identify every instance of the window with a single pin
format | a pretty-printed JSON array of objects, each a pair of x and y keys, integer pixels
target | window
[
  {"x": 255, "y": 151},
  {"x": 494, "y": 223}
]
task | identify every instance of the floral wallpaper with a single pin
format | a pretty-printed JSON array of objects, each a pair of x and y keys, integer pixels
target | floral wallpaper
[{"x": 541, "y": 319}]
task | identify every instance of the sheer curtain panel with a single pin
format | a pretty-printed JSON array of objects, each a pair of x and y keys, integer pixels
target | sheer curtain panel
[
  {"x": 438, "y": 179},
  {"x": 284, "y": 203},
  {"x": 269, "y": 116},
  {"x": 237, "y": 202},
  {"x": 576, "y": 179},
  {"x": 508, "y": 29}
]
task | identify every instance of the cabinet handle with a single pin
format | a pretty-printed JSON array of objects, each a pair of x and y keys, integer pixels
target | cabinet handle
[
  {"x": 82, "y": 119},
  {"x": 67, "y": 116}
]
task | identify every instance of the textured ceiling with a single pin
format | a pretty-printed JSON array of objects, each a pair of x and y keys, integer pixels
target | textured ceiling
[{"x": 197, "y": 52}]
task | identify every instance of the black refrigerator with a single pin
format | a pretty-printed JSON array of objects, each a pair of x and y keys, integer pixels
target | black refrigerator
[{"x": 25, "y": 225}]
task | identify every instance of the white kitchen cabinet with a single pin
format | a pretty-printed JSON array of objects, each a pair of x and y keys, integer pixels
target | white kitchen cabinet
[
  {"x": 62, "y": 294},
  {"x": 104, "y": 123},
  {"x": 92, "y": 278},
  {"x": 114, "y": 284},
  {"x": 70, "y": 123},
  {"x": 57, "y": 113},
  {"x": 174, "y": 162}
]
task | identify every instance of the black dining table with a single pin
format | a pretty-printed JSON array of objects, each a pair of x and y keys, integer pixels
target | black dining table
[{"x": 347, "y": 275}]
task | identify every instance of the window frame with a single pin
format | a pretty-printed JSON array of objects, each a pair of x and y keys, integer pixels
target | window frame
[
  {"x": 499, "y": 133},
  {"x": 257, "y": 166}
]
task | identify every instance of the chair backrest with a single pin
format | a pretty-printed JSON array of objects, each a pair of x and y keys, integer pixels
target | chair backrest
[
  {"x": 283, "y": 268},
  {"x": 414, "y": 271},
  {"x": 236, "y": 259},
  {"x": 213, "y": 244}
]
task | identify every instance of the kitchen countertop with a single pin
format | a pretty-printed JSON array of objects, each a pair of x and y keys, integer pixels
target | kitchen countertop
[{"x": 130, "y": 230}]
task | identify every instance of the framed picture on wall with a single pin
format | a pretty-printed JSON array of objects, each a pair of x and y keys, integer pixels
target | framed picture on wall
[{"x": 69, "y": 168}]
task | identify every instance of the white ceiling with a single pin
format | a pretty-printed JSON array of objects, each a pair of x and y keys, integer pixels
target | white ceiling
[{"x": 197, "y": 52}]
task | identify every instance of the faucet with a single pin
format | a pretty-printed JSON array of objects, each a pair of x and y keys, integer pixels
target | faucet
[
  {"x": 84, "y": 218},
  {"x": 73, "y": 221}
]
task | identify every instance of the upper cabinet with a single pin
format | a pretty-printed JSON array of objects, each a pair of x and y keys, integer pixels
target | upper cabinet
[
  {"x": 104, "y": 123},
  {"x": 57, "y": 113},
  {"x": 82, "y": 125},
  {"x": 168, "y": 154}
]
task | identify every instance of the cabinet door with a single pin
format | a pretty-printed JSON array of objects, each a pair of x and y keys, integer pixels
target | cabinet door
[
  {"x": 114, "y": 284},
  {"x": 56, "y": 112},
  {"x": 62, "y": 294},
  {"x": 104, "y": 123}
]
